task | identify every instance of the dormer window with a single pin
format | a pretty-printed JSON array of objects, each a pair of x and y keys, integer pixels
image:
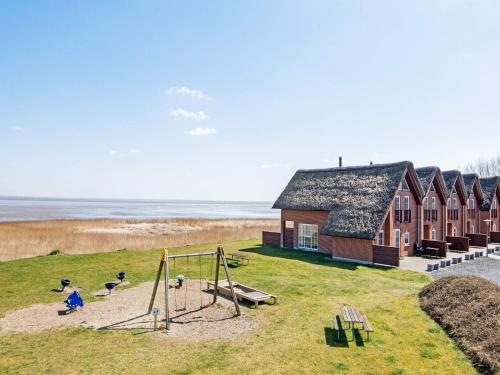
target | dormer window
[
  {"x": 455, "y": 203},
  {"x": 426, "y": 203},
  {"x": 433, "y": 203},
  {"x": 398, "y": 202},
  {"x": 472, "y": 204},
  {"x": 407, "y": 202},
  {"x": 448, "y": 203}
]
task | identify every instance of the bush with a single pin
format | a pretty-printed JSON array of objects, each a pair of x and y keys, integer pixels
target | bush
[{"x": 468, "y": 309}]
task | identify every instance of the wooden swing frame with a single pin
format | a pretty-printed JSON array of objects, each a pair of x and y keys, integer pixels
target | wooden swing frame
[{"x": 164, "y": 264}]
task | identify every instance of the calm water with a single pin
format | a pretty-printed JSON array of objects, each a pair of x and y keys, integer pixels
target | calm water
[{"x": 15, "y": 209}]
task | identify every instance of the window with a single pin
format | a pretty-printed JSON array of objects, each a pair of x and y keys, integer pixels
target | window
[
  {"x": 308, "y": 236},
  {"x": 397, "y": 238},
  {"x": 472, "y": 204},
  {"x": 454, "y": 231},
  {"x": 289, "y": 224},
  {"x": 468, "y": 203},
  {"x": 494, "y": 204},
  {"x": 407, "y": 238},
  {"x": 494, "y": 227},
  {"x": 449, "y": 203},
  {"x": 426, "y": 203},
  {"x": 455, "y": 203},
  {"x": 381, "y": 238},
  {"x": 472, "y": 229},
  {"x": 433, "y": 203},
  {"x": 433, "y": 234},
  {"x": 407, "y": 202},
  {"x": 398, "y": 202}
]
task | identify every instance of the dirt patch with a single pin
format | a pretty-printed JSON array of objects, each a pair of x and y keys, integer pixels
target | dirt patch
[
  {"x": 468, "y": 308},
  {"x": 193, "y": 315}
]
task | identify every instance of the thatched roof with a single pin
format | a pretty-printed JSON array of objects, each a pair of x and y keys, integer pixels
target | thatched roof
[
  {"x": 471, "y": 179},
  {"x": 452, "y": 179},
  {"x": 357, "y": 197},
  {"x": 428, "y": 175},
  {"x": 489, "y": 186}
]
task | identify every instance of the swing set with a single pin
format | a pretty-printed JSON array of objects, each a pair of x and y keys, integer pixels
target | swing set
[{"x": 170, "y": 260}]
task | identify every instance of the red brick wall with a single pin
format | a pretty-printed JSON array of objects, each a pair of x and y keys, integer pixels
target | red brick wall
[
  {"x": 271, "y": 238},
  {"x": 438, "y": 225},
  {"x": 308, "y": 217},
  {"x": 412, "y": 227},
  {"x": 459, "y": 222},
  {"x": 353, "y": 248},
  {"x": 386, "y": 255},
  {"x": 469, "y": 222}
]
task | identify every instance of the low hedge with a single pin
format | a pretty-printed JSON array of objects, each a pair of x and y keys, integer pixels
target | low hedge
[{"x": 468, "y": 309}]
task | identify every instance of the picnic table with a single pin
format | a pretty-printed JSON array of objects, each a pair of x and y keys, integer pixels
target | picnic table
[
  {"x": 237, "y": 260},
  {"x": 352, "y": 316}
]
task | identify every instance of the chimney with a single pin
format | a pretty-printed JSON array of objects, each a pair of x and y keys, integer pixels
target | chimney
[
  {"x": 340, "y": 161},
  {"x": 371, "y": 163}
]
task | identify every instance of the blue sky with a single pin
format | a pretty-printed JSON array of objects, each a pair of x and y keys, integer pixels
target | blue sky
[{"x": 225, "y": 100}]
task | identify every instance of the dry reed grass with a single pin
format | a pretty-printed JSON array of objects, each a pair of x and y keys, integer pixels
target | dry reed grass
[{"x": 33, "y": 238}]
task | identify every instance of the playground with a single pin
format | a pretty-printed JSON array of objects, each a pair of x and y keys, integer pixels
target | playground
[{"x": 295, "y": 335}]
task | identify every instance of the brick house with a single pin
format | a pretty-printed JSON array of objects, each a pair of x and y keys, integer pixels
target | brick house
[
  {"x": 490, "y": 204},
  {"x": 433, "y": 209},
  {"x": 457, "y": 198},
  {"x": 474, "y": 199},
  {"x": 365, "y": 213}
]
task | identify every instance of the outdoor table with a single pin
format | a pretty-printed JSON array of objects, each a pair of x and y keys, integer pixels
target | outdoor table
[{"x": 352, "y": 315}]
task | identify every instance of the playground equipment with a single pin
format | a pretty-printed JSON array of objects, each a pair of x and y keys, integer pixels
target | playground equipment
[
  {"x": 110, "y": 286},
  {"x": 165, "y": 264},
  {"x": 73, "y": 301},
  {"x": 244, "y": 292},
  {"x": 64, "y": 284},
  {"x": 120, "y": 276}
]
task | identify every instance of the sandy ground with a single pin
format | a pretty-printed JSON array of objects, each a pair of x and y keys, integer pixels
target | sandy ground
[
  {"x": 193, "y": 316},
  {"x": 35, "y": 238}
]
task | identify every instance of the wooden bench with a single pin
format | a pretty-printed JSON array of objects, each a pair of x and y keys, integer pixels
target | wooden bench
[
  {"x": 367, "y": 327},
  {"x": 337, "y": 326}
]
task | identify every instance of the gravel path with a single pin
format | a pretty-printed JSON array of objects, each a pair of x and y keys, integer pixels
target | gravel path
[{"x": 486, "y": 267}]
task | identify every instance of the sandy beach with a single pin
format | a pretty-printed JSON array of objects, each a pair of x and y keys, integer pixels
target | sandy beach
[{"x": 34, "y": 238}]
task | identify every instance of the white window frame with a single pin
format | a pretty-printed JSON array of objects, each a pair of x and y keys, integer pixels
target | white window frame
[
  {"x": 448, "y": 203},
  {"x": 426, "y": 203},
  {"x": 398, "y": 202},
  {"x": 433, "y": 203},
  {"x": 454, "y": 231},
  {"x": 381, "y": 238},
  {"x": 468, "y": 203},
  {"x": 308, "y": 237},
  {"x": 472, "y": 229},
  {"x": 397, "y": 238},
  {"x": 494, "y": 228},
  {"x": 473, "y": 204},
  {"x": 407, "y": 238},
  {"x": 455, "y": 203},
  {"x": 494, "y": 204},
  {"x": 433, "y": 234},
  {"x": 407, "y": 202}
]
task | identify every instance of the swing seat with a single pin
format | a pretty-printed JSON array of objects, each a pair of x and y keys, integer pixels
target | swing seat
[{"x": 73, "y": 301}]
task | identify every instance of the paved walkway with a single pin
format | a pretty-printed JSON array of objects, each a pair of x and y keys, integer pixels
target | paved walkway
[{"x": 485, "y": 266}]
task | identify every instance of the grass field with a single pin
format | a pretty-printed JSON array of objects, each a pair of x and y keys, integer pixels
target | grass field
[{"x": 294, "y": 337}]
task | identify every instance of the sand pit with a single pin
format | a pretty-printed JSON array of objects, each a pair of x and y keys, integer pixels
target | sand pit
[{"x": 126, "y": 309}]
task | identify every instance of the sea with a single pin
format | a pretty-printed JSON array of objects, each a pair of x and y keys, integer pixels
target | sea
[{"x": 28, "y": 208}]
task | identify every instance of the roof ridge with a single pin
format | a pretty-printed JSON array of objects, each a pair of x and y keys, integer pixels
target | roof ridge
[{"x": 354, "y": 167}]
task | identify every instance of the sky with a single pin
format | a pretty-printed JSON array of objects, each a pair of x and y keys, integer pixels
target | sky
[{"x": 224, "y": 100}]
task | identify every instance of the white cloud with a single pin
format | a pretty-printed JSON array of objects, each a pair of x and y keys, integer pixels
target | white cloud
[
  {"x": 19, "y": 129},
  {"x": 112, "y": 152},
  {"x": 201, "y": 132},
  {"x": 186, "y": 91},
  {"x": 180, "y": 113},
  {"x": 134, "y": 151}
]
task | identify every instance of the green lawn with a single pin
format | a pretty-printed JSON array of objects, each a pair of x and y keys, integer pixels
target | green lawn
[{"x": 295, "y": 336}]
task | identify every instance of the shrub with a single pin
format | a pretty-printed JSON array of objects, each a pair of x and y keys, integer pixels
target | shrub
[{"x": 468, "y": 309}]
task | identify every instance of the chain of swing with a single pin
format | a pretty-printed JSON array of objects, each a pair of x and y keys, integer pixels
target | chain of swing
[{"x": 185, "y": 282}]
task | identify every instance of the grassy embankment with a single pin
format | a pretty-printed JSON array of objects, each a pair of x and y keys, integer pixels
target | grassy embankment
[{"x": 294, "y": 336}]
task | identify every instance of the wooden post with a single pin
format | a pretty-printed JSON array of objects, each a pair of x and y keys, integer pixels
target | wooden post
[
  {"x": 228, "y": 276},
  {"x": 217, "y": 266},
  {"x": 158, "y": 275},
  {"x": 167, "y": 312}
]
